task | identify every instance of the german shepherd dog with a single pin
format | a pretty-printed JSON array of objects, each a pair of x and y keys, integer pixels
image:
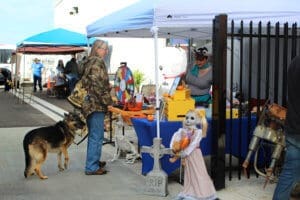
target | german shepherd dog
[{"x": 55, "y": 139}]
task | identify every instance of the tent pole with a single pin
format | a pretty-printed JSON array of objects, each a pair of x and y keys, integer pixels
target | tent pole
[
  {"x": 16, "y": 72},
  {"x": 154, "y": 30},
  {"x": 88, "y": 46},
  {"x": 24, "y": 66},
  {"x": 191, "y": 41}
]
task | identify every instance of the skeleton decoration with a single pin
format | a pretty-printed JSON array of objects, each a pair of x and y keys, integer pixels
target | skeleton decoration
[{"x": 181, "y": 139}]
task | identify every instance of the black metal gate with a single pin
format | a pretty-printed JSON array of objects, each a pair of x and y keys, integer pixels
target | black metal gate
[{"x": 250, "y": 65}]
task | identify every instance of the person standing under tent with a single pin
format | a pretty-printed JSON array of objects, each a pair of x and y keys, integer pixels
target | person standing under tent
[
  {"x": 37, "y": 68},
  {"x": 71, "y": 72},
  {"x": 60, "y": 76}
]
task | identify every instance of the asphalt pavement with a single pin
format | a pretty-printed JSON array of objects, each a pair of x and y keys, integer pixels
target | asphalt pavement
[
  {"x": 15, "y": 113},
  {"x": 123, "y": 181}
]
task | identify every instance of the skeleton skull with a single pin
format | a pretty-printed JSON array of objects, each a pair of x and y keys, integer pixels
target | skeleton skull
[{"x": 191, "y": 119}]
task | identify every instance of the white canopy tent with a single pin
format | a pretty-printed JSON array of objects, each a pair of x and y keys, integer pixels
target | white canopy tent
[{"x": 187, "y": 19}]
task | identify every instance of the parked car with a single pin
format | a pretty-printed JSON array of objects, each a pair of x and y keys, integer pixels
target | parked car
[{"x": 4, "y": 75}]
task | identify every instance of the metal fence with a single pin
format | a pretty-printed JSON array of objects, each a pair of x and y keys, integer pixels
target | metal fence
[{"x": 254, "y": 59}]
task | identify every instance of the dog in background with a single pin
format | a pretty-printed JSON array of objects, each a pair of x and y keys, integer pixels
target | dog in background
[{"x": 39, "y": 142}]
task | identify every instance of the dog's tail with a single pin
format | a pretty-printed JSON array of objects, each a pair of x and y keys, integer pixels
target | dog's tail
[{"x": 26, "y": 143}]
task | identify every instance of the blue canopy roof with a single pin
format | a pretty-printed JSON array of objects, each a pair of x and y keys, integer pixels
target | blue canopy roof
[{"x": 57, "y": 37}]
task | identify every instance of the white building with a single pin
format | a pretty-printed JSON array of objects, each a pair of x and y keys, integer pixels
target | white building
[{"x": 137, "y": 52}]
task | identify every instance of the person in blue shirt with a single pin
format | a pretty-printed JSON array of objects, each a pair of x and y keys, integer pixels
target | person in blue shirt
[{"x": 37, "y": 68}]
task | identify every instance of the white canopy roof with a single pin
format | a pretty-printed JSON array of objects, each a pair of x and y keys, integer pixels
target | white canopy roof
[{"x": 189, "y": 18}]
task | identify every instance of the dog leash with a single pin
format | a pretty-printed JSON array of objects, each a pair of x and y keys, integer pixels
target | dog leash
[{"x": 78, "y": 143}]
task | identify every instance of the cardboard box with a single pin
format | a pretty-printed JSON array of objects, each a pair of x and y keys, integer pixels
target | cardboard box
[
  {"x": 175, "y": 110},
  {"x": 181, "y": 94}
]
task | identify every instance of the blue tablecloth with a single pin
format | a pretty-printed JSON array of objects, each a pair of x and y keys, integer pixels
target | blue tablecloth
[{"x": 146, "y": 131}]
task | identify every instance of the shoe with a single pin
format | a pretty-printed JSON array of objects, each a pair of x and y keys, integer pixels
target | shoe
[
  {"x": 100, "y": 171},
  {"x": 102, "y": 164}
]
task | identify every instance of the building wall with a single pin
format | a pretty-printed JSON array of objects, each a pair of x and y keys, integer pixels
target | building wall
[
  {"x": 88, "y": 12},
  {"x": 137, "y": 52}
]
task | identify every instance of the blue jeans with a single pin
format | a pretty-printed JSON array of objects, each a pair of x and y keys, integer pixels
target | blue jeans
[
  {"x": 290, "y": 173},
  {"x": 72, "y": 80},
  {"x": 37, "y": 80},
  {"x": 95, "y": 123}
]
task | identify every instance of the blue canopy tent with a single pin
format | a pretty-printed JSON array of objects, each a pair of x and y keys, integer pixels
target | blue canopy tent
[
  {"x": 55, "y": 41},
  {"x": 187, "y": 19},
  {"x": 56, "y": 37}
]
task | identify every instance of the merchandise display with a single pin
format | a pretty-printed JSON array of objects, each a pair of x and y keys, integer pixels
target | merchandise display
[
  {"x": 178, "y": 104},
  {"x": 124, "y": 84}
]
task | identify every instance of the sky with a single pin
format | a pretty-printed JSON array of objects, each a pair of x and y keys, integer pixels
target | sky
[{"x": 21, "y": 19}]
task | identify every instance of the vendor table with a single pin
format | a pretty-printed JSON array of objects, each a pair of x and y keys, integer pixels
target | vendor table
[
  {"x": 128, "y": 115},
  {"x": 146, "y": 131}
]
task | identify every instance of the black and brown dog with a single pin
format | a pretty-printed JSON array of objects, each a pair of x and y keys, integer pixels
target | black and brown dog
[{"x": 39, "y": 142}]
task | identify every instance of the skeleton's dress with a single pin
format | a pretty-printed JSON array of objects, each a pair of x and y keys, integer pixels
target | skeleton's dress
[{"x": 197, "y": 183}]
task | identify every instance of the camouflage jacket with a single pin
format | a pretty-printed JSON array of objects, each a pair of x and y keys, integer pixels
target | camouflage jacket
[{"x": 96, "y": 82}]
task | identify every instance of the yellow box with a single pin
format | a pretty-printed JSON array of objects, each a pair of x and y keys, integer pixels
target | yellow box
[
  {"x": 181, "y": 94},
  {"x": 235, "y": 113},
  {"x": 176, "y": 110}
]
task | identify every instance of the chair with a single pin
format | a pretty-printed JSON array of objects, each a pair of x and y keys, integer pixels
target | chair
[
  {"x": 149, "y": 92},
  {"x": 25, "y": 92},
  {"x": 61, "y": 91},
  {"x": 50, "y": 89}
]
